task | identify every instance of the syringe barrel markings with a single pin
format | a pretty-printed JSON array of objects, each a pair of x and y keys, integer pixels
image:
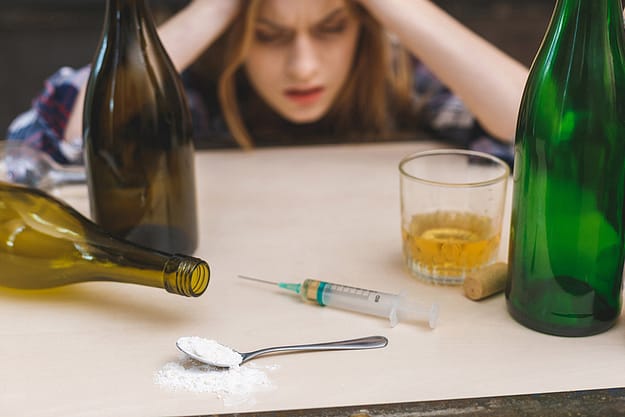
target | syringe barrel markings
[{"x": 348, "y": 298}]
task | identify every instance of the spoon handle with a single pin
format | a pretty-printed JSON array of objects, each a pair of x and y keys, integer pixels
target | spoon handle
[{"x": 371, "y": 342}]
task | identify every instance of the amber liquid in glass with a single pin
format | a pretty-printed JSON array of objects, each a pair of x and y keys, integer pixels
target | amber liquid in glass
[{"x": 447, "y": 244}]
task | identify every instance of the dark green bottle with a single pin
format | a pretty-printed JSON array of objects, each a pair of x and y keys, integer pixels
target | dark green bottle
[
  {"x": 138, "y": 136},
  {"x": 566, "y": 244}
]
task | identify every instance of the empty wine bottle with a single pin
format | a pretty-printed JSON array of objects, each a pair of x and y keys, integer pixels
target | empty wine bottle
[
  {"x": 138, "y": 136},
  {"x": 45, "y": 243},
  {"x": 567, "y": 230}
]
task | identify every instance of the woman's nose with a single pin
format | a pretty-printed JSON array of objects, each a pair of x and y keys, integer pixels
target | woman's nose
[{"x": 303, "y": 60}]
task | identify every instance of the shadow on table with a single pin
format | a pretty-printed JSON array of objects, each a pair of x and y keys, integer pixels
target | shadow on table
[{"x": 84, "y": 299}]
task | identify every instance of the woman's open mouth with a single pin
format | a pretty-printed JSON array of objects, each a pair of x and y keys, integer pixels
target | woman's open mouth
[{"x": 304, "y": 96}]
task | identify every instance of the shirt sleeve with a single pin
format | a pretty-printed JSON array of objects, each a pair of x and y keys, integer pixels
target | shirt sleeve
[
  {"x": 447, "y": 118},
  {"x": 43, "y": 125}
]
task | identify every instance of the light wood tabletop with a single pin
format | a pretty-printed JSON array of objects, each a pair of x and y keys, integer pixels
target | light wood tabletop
[{"x": 325, "y": 212}]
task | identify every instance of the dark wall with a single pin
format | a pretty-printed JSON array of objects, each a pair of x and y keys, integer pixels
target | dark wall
[
  {"x": 516, "y": 26},
  {"x": 39, "y": 36},
  {"x": 33, "y": 44}
]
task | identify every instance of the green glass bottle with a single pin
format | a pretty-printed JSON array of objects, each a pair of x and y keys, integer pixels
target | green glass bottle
[
  {"x": 45, "y": 243},
  {"x": 138, "y": 136},
  {"x": 567, "y": 233}
]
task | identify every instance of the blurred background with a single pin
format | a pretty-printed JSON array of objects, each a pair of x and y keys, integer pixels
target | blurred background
[{"x": 39, "y": 36}]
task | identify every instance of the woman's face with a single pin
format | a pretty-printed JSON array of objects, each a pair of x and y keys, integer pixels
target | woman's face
[{"x": 301, "y": 55}]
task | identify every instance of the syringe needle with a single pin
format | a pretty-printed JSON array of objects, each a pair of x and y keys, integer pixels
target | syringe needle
[{"x": 258, "y": 280}]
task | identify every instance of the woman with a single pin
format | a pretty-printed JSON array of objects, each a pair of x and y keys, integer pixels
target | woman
[{"x": 272, "y": 71}]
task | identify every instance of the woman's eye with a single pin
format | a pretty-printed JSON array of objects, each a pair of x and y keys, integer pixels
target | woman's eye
[
  {"x": 332, "y": 28},
  {"x": 271, "y": 37}
]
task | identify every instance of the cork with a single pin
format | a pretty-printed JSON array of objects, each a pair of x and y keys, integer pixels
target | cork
[{"x": 486, "y": 281}]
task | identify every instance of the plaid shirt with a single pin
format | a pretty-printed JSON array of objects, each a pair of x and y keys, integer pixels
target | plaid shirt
[{"x": 43, "y": 125}]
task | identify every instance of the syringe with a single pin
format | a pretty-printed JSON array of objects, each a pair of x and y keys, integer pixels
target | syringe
[{"x": 395, "y": 307}]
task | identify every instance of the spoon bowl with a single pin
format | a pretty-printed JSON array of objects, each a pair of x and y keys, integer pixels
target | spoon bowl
[{"x": 225, "y": 359}]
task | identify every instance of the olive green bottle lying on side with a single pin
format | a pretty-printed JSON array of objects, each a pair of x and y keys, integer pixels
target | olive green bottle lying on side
[{"x": 45, "y": 243}]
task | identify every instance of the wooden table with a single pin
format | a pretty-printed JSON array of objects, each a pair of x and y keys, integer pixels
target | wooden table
[{"x": 330, "y": 212}]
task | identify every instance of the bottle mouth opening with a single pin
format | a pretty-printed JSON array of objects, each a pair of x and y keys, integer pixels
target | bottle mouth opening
[
  {"x": 199, "y": 278},
  {"x": 190, "y": 276}
]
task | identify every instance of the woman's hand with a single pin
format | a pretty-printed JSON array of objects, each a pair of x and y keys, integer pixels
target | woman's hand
[{"x": 488, "y": 81}]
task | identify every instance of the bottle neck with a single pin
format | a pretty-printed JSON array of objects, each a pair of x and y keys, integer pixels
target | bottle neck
[
  {"x": 127, "y": 9},
  {"x": 582, "y": 35},
  {"x": 128, "y": 18},
  {"x": 595, "y": 16},
  {"x": 122, "y": 261}
]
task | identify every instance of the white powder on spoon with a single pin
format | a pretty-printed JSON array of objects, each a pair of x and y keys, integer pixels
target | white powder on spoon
[
  {"x": 210, "y": 350},
  {"x": 234, "y": 385}
]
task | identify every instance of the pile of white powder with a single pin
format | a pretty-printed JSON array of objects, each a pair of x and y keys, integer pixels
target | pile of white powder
[
  {"x": 209, "y": 350},
  {"x": 234, "y": 385}
]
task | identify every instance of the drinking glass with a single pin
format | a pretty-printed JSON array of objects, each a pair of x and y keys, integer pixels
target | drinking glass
[{"x": 452, "y": 206}]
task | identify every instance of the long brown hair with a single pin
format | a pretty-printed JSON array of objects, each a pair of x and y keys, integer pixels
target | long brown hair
[{"x": 378, "y": 88}]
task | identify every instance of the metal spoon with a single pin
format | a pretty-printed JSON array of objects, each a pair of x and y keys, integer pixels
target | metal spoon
[{"x": 371, "y": 342}]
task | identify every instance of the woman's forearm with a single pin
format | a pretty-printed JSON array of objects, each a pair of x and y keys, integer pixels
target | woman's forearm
[
  {"x": 488, "y": 81},
  {"x": 185, "y": 36}
]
